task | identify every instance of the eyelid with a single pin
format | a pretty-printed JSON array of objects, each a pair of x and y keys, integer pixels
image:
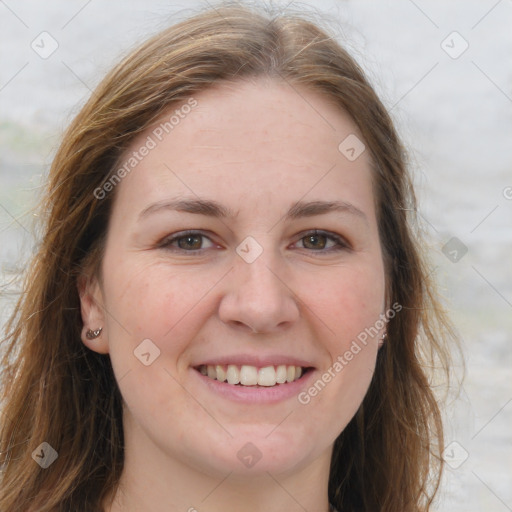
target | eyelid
[
  {"x": 165, "y": 243},
  {"x": 341, "y": 242}
]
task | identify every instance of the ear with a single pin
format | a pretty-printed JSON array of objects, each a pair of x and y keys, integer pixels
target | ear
[
  {"x": 384, "y": 334},
  {"x": 93, "y": 313}
]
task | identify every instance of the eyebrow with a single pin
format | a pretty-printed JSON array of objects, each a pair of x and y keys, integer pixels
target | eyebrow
[{"x": 212, "y": 208}]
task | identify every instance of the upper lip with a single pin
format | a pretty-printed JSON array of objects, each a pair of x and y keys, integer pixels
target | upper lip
[{"x": 260, "y": 361}]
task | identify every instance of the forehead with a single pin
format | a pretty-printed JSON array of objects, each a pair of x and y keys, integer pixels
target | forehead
[{"x": 265, "y": 140}]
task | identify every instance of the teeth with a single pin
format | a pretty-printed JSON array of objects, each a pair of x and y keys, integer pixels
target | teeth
[
  {"x": 221, "y": 374},
  {"x": 247, "y": 375},
  {"x": 281, "y": 374},
  {"x": 233, "y": 374},
  {"x": 267, "y": 376}
]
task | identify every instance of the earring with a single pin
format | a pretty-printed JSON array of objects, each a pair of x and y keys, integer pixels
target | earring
[
  {"x": 92, "y": 335},
  {"x": 383, "y": 339}
]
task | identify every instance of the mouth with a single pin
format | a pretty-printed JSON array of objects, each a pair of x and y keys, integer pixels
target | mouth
[{"x": 253, "y": 376}]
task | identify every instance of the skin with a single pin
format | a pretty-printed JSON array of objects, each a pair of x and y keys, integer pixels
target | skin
[{"x": 256, "y": 148}]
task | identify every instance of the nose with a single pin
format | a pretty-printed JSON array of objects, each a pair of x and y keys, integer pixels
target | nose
[{"x": 258, "y": 298}]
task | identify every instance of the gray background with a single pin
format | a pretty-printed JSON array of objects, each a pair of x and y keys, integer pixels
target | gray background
[{"x": 453, "y": 111}]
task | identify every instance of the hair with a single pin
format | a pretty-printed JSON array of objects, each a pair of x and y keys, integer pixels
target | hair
[{"x": 55, "y": 390}]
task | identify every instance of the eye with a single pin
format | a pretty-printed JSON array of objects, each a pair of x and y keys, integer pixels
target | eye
[
  {"x": 318, "y": 241},
  {"x": 192, "y": 241},
  {"x": 188, "y": 241}
]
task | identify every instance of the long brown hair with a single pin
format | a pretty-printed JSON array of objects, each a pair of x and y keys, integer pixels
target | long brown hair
[{"x": 57, "y": 391}]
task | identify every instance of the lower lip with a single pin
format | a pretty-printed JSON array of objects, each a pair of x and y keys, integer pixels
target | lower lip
[{"x": 253, "y": 394}]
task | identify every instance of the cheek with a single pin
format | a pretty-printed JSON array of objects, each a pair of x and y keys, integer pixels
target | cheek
[
  {"x": 159, "y": 304},
  {"x": 350, "y": 305},
  {"x": 153, "y": 301},
  {"x": 348, "y": 301}
]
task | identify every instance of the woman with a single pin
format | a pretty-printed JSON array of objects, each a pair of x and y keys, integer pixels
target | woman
[{"x": 229, "y": 309}]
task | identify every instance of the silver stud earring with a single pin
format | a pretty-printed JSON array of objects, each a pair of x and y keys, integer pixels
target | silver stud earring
[{"x": 92, "y": 335}]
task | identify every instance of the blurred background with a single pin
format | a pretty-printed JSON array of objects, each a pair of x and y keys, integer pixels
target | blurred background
[{"x": 444, "y": 70}]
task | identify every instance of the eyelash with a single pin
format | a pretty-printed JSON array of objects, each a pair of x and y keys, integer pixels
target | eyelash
[{"x": 341, "y": 243}]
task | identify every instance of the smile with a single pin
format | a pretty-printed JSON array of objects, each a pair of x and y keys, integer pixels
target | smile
[{"x": 247, "y": 375}]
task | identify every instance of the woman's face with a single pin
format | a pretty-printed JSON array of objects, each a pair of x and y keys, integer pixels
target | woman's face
[{"x": 252, "y": 170}]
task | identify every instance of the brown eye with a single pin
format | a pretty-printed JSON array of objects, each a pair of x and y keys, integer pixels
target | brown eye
[
  {"x": 322, "y": 242},
  {"x": 193, "y": 242},
  {"x": 315, "y": 241}
]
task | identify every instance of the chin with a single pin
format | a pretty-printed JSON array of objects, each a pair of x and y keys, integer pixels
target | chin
[{"x": 258, "y": 450}]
